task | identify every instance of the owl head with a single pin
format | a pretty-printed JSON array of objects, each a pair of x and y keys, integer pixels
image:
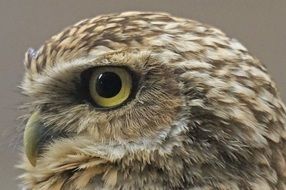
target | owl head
[{"x": 120, "y": 100}]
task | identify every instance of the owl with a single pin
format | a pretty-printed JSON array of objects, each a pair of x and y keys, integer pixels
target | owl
[{"x": 146, "y": 100}]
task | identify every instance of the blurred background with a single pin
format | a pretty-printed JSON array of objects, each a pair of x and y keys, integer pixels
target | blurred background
[{"x": 259, "y": 25}]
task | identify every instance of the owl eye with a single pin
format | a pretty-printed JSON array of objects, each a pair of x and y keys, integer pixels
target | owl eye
[{"x": 110, "y": 86}]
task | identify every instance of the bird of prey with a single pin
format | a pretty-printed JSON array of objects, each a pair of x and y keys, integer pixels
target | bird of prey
[{"x": 146, "y": 100}]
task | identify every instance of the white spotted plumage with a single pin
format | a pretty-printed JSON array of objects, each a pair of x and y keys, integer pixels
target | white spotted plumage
[{"x": 206, "y": 114}]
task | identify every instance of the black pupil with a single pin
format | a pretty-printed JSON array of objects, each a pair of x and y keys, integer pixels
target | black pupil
[{"x": 108, "y": 84}]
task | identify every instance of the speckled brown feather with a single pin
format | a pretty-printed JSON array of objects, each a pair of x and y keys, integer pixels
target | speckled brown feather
[{"x": 206, "y": 115}]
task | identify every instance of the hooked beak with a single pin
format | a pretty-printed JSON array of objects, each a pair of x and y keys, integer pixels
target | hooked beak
[
  {"x": 37, "y": 135},
  {"x": 32, "y": 136}
]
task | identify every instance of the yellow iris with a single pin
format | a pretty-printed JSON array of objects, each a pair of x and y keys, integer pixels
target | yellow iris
[{"x": 110, "y": 86}]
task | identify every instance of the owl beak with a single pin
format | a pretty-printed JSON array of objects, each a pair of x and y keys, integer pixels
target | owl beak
[{"x": 32, "y": 136}]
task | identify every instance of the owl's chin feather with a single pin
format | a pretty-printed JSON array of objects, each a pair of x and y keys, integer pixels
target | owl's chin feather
[
  {"x": 63, "y": 160},
  {"x": 78, "y": 163}
]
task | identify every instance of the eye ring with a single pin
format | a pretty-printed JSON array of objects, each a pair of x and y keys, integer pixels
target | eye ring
[{"x": 110, "y": 86}]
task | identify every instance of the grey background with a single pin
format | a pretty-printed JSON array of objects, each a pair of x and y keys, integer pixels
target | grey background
[{"x": 259, "y": 25}]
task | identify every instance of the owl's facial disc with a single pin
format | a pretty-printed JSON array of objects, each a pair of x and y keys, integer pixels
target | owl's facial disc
[{"x": 106, "y": 101}]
